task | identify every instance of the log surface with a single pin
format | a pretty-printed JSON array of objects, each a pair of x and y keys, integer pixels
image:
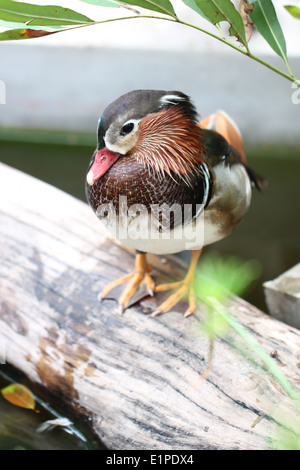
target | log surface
[{"x": 139, "y": 378}]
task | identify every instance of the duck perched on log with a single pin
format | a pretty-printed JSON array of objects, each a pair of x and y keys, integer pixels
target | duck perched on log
[{"x": 162, "y": 182}]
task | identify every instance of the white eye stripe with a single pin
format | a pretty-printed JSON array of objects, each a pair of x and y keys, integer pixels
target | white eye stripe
[{"x": 171, "y": 99}]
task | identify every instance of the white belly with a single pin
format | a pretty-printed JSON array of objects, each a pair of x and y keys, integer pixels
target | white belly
[{"x": 226, "y": 209}]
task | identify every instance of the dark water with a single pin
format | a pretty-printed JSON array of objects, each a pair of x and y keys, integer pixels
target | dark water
[
  {"x": 20, "y": 427},
  {"x": 270, "y": 232}
]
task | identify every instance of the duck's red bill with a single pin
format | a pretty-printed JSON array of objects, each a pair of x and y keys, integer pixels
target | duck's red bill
[{"x": 104, "y": 159}]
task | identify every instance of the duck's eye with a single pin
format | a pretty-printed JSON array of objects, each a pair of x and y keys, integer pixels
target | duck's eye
[{"x": 127, "y": 128}]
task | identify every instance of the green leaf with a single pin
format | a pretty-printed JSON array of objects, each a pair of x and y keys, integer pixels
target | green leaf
[
  {"x": 294, "y": 11},
  {"x": 39, "y": 15},
  {"x": 15, "y": 25},
  {"x": 221, "y": 10},
  {"x": 265, "y": 19},
  {"x": 192, "y": 4},
  {"x": 104, "y": 3},
  {"x": 160, "y": 6}
]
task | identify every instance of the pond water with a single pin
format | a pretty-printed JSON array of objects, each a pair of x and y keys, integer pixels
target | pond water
[
  {"x": 270, "y": 233},
  {"x": 23, "y": 429}
]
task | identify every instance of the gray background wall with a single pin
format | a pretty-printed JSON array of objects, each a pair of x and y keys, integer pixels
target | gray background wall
[{"x": 64, "y": 81}]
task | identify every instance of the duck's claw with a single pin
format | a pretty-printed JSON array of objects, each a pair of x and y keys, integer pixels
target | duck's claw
[
  {"x": 136, "y": 278},
  {"x": 182, "y": 289},
  {"x": 113, "y": 284}
]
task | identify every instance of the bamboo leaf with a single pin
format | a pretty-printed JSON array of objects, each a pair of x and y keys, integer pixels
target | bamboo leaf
[
  {"x": 221, "y": 10},
  {"x": 160, "y": 6},
  {"x": 19, "y": 395},
  {"x": 294, "y": 11},
  {"x": 40, "y": 15},
  {"x": 104, "y": 3},
  {"x": 15, "y": 25},
  {"x": 192, "y": 4},
  {"x": 110, "y": 3},
  {"x": 265, "y": 19}
]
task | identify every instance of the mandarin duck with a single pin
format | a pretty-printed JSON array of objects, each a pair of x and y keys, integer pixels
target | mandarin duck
[{"x": 162, "y": 183}]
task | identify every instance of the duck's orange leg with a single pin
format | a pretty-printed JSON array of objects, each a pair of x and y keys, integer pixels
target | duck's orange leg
[
  {"x": 184, "y": 288},
  {"x": 140, "y": 274}
]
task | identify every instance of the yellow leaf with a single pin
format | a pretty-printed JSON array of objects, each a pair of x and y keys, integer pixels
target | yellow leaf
[{"x": 19, "y": 395}]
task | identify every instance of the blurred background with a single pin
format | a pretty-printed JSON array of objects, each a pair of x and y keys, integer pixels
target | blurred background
[{"x": 56, "y": 88}]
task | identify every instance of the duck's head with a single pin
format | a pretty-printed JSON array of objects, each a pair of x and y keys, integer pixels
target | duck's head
[{"x": 159, "y": 128}]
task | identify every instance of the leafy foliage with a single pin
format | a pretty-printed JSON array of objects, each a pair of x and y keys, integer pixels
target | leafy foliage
[
  {"x": 216, "y": 11},
  {"x": 160, "y": 6},
  {"x": 22, "y": 19},
  {"x": 40, "y": 15},
  {"x": 265, "y": 19}
]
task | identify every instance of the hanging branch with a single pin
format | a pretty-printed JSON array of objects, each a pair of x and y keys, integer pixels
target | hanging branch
[{"x": 25, "y": 21}]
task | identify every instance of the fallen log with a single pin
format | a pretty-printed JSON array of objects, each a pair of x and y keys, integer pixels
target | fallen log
[{"x": 139, "y": 378}]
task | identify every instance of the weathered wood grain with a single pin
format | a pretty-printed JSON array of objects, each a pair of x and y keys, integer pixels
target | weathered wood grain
[{"x": 137, "y": 377}]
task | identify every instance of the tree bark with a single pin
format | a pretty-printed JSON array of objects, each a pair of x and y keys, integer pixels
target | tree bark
[{"x": 139, "y": 378}]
